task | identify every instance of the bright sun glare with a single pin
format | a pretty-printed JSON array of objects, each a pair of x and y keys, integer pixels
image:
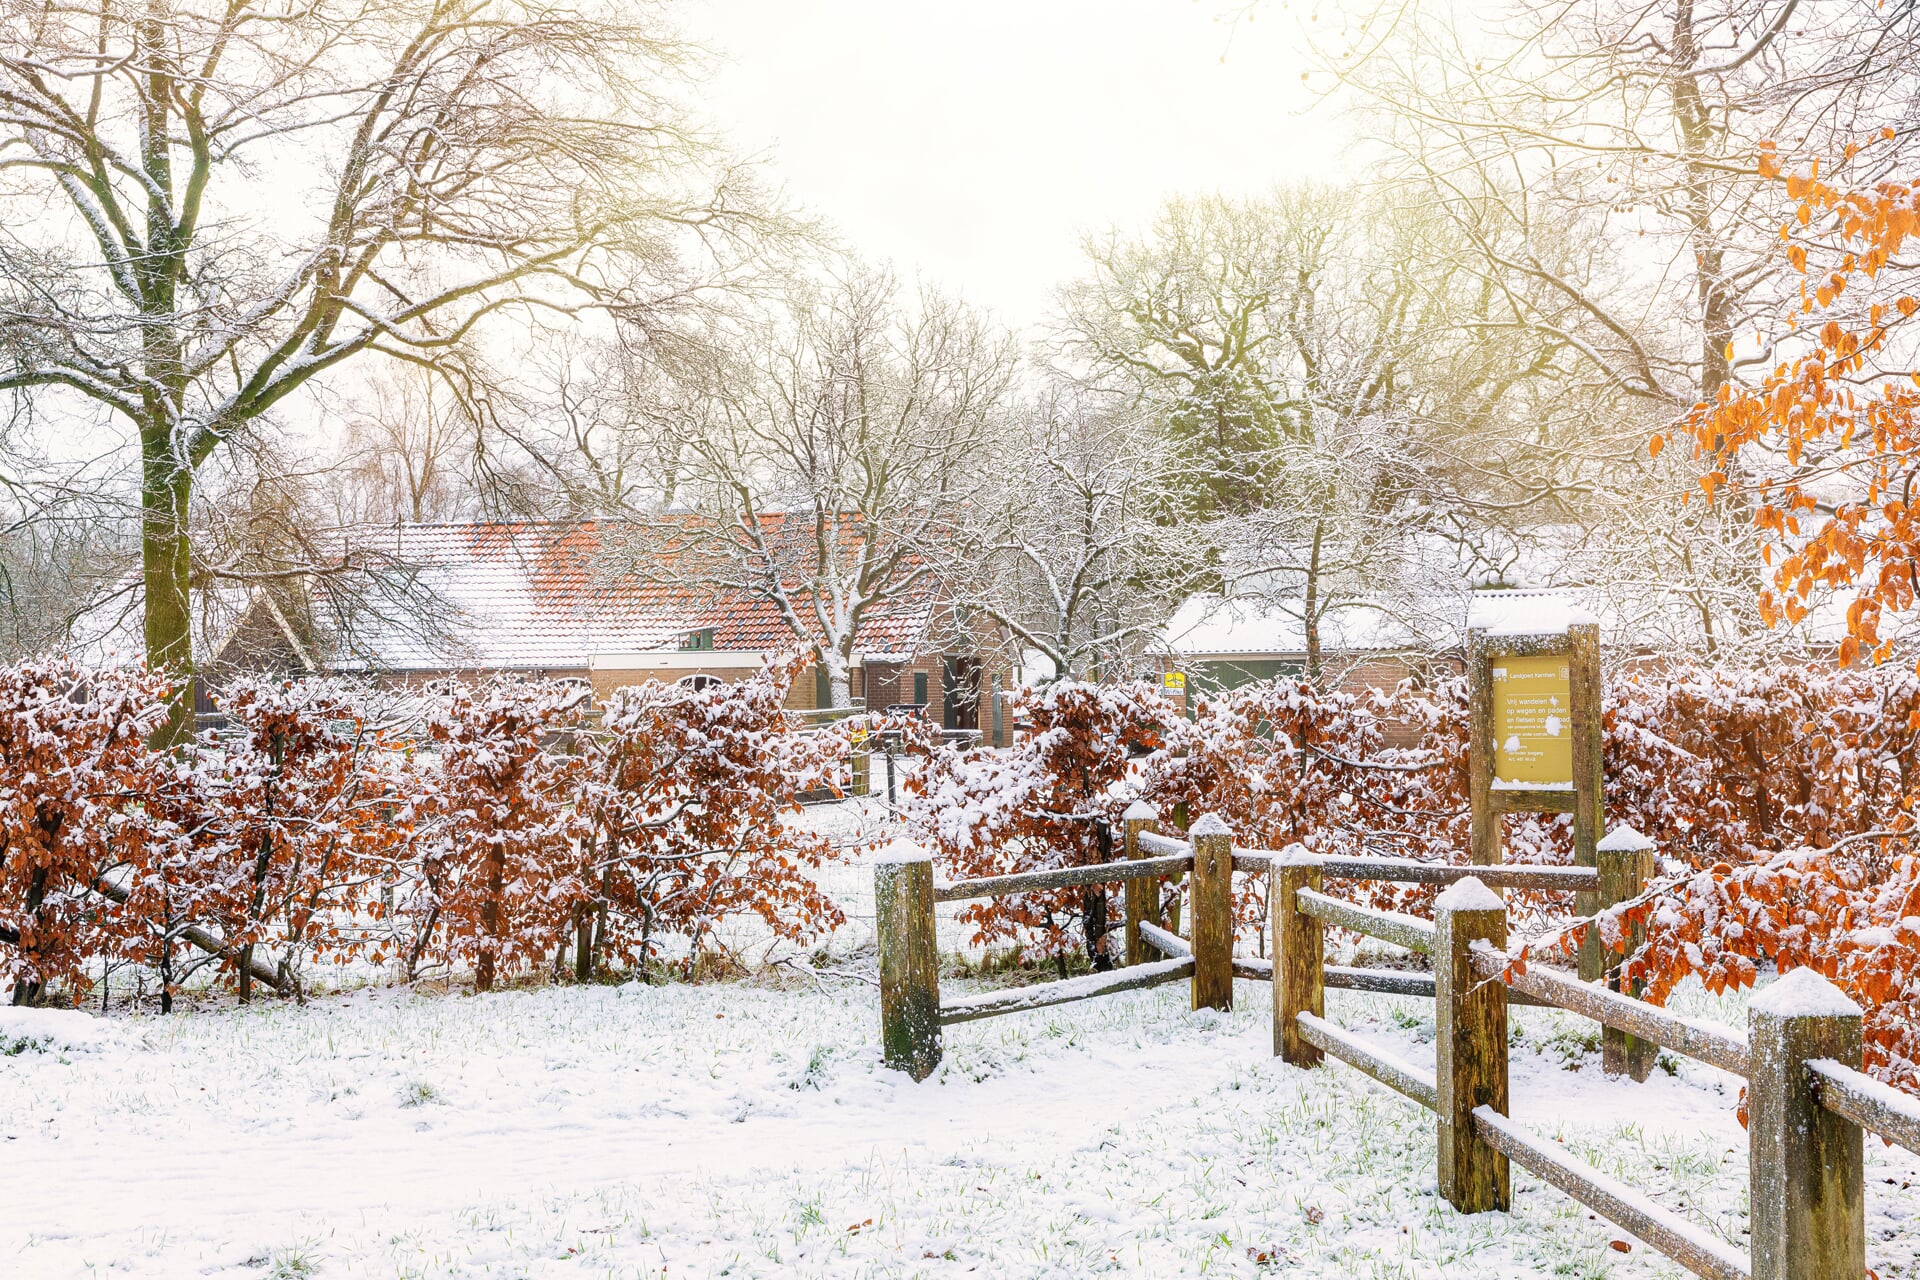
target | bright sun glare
[{"x": 975, "y": 144}]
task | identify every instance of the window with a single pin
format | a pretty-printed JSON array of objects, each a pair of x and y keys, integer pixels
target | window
[
  {"x": 701, "y": 682},
  {"x": 920, "y": 687},
  {"x": 700, "y": 640}
]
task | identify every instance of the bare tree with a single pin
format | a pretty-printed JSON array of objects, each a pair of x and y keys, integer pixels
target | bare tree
[
  {"x": 1063, "y": 549},
  {"x": 1391, "y": 392},
  {"x": 822, "y": 448},
  {"x": 263, "y": 192},
  {"x": 572, "y": 433},
  {"x": 66, "y": 539},
  {"x": 1189, "y": 317},
  {"x": 1643, "y": 119},
  {"x": 404, "y": 451},
  {"x": 1599, "y": 164}
]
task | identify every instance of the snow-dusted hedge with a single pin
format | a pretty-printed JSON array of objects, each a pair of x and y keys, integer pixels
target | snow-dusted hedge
[
  {"x": 1780, "y": 800},
  {"x": 490, "y": 827}
]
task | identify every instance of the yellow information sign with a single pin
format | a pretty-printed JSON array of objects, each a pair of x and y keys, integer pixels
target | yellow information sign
[
  {"x": 1532, "y": 728},
  {"x": 1173, "y": 681}
]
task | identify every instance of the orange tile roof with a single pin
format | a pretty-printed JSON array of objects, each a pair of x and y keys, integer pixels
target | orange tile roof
[{"x": 552, "y": 594}]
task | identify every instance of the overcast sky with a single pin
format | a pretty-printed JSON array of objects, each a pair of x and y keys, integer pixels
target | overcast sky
[{"x": 972, "y": 144}]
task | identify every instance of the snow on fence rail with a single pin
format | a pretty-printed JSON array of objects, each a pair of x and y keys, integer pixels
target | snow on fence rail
[
  {"x": 1132, "y": 978},
  {"x": 905, "y": 895},
  {"x": 1409, "y": 871},
  {"x": 1716, "y": 1046},
  {"x": 1809, "y": 1102},
  {"x": 911, "y": 1013},
  {"x": 1060, "y": 878},
  {"x": 1867, "y": 1102}
]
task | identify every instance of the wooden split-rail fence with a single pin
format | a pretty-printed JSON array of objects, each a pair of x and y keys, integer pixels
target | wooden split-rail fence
[{"x": 1809, "y": 1104}]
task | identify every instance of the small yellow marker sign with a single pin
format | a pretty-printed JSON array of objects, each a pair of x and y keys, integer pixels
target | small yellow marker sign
[
  {"x": 1532, "y": 730},
  {"x": 1173, "y": 681}
]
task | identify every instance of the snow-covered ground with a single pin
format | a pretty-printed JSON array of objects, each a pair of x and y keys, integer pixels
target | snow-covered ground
[{"x": 727, "y": 1130}]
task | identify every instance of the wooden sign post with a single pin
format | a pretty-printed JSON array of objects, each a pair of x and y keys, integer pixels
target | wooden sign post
[{"x": 1533, "y": 677}]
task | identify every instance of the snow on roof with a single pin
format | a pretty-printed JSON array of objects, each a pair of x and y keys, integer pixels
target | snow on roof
[
  {"x": 1210, "y": 625},
  {"x": 112, "y": 632},
  {"x": 1526, "y": 613},
  {"x": 546, "y": 594}
]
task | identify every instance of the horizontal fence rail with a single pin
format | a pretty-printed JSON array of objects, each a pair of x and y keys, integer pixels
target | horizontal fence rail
[
  {"x": 1716, "y": 1046},
  {"x": 1406, "y": 931},
  {"x": 1809, "y": 1102},
  {"x": 1165, "y": 846},
  {"x": 1407, "y": 871},
  {"x": 1671, "y": 1234},
  {"x": 905, "y": 894},
  {"x": 1383, "y": 982},
  {"x": 1857, "y": 1096},
  {"x": 1399, "y": 982},
  {"x": 1410, "y": 871},
  {"x": 1166, "y": 943},
  {"x": 1062, "y": 878},
  {"x": 1041, "y": 995},
  {"x": 1396, "y": 1074}
]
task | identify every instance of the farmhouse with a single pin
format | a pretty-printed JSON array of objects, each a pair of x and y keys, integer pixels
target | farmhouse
[
  {"x": 1222, "y": 642},
  {"x": 564, "y": 600}
]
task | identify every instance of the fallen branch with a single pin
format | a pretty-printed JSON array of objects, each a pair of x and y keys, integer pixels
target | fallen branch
[{"x": 193, "y": 933}]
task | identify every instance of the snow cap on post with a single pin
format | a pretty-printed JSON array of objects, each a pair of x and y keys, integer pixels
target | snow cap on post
[
  {"x": 1470, "y": 894},
  {"x": 1140, "y": 811},
  {"x": 1624, "y": 839},
  {"x": 1297, "y": 855},
  {"x": 1209, "y": 824},
  {"x": 902, "y": 850},
  {"x": 1804, "y": 993}
]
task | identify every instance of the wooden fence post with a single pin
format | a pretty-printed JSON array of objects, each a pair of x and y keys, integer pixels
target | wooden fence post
[
  {"x": 1807, "y": 1175},
  {"x": 1212, "y": 912},
  {"x": 1625, "y": 858},
  {"x": 1299, "y": 954},
  {"x": 1484, "y": 836},
  {"x": 909, "y": 959},
  {"x": 1143, "y": 896},
  {"x": 861, "y": 762},
  {"x": 1470, "y": 1055},
  {"x": 1585, "y": 693}
]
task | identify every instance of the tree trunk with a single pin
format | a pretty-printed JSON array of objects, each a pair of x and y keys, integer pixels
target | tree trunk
[
  {"x": 166, "y": 561},
  {"x": 1095, "y": 909},
  {"x": 583, "y": 943},
  {"x": 166, "y": 959},
  {"x": 27, "y": 993},
  {"x": 483, "y": 969},
  {"x": 1310, "y": 611},
  {"x": 839, "y": 679},
  {"x": 1094, "y": 904},
  {"x": 1697, "y": 138},
  {"x": 262, "y": 863}
]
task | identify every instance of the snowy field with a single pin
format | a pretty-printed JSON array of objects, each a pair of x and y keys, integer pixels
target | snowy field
[{"x": 728, "y": 1130}]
